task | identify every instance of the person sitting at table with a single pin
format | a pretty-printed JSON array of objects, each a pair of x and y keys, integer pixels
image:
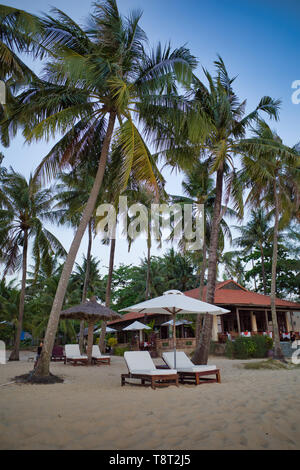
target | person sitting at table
[{"x": 293, "y": 336}]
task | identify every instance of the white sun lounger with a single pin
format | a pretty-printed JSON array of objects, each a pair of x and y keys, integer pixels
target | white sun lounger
[
  {"x": 189, "y": 372},
  {"x": 73, "y": 355},
  {"x": 98, "y": 357},
  {"x": 141, "y": 366}
]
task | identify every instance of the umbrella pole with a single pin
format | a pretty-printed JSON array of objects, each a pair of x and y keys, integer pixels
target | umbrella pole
[
  {"x": 174, "y": 338},
  {"x": 141, "y": 336},
  {"x": 90, "y": 342}
]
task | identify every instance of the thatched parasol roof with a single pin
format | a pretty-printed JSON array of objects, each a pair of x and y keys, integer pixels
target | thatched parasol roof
[{"x": 91, "y": 311}]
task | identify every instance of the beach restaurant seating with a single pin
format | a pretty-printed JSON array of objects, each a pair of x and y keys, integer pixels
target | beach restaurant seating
[
  {"x": 140, "y": 366},
  {"x": 58, "y": 354},
  {"x": 268, "y": 333},
  {"x": 98, "y": 358},
  {"x": 189, "y": 372},
  {"x": 73, "y": 355}
]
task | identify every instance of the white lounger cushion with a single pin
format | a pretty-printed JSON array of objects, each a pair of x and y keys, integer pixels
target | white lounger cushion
[
  {"x": 140, "y": 362},
  {"x": 73, "y": 352},
  {"x": 97, "y": 353},
  {"x": 183, "y": 363},
  {"x": 154, "y": 372},
  {"x": 196, "y": 368}
]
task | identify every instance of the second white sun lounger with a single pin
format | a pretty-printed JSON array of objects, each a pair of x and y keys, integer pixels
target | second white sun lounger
[
  {"x": 73, "y": 355},
  {"x": 189, "y": 372},
  {"x": 98, "y": 357},
  {"x": 141, "y": 366}
]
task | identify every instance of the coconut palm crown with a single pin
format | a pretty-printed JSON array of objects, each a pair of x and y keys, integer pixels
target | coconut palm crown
[{"x": 94, "y": 81}]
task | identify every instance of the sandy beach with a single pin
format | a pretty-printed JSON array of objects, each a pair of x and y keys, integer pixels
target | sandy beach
[{"x": 250, "y": 409}]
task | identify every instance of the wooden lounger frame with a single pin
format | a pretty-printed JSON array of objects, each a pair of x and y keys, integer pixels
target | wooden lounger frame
[
  {"x": 75, "y": 362},
  {"x": 197, "y": 378},
  {"x": 154, "y": 380},
  {"x": 58, "y": 358},
  {"x": 101, "y": 360}
]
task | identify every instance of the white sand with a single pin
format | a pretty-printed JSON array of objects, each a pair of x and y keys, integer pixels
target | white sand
[{"x": 250, "y": 409}]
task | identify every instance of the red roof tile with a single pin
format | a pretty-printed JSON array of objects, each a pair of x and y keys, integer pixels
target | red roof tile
[
  {"x": 240, "y": 296},
  {"x": 130, "y": 316}
]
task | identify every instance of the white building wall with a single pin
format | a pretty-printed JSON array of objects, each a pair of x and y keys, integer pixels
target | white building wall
[{"x": 295, "y": 317}]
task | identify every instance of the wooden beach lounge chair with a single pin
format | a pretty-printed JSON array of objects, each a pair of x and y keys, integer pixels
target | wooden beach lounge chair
[
  {"x": 140, "y": 366},
  {"x": 73, "y": 355},
  {"x": 189, "y": 372},
  {"x": 58, "y": 354},
  {"x": 98, "y": 358}
]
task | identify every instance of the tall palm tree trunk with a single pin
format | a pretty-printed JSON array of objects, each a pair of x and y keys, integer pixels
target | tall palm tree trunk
[
  {"x": 90, "y": 342},
  {"x": 42, "y": 368},
  {"x": 277, "y": 349},
  {"x": 108, "y": 287},
  {"x": 14, "y": 355},
  {"x": 263, "y": 271},
  {"x": 201, "y": 286},
  {"x": 86, "y": 282},
  {"x": 201, "y": 353},
  {"x": 255, "y": 287},
  {"x": 147, "y": 295}
]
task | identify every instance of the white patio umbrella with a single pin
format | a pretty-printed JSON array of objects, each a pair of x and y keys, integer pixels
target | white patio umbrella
[
  {"x": 137, "y": 326},
  {"x": 108, "y": 330},
  {"x": 173, "y": 302},
  {"x": 178, "y": 322}
]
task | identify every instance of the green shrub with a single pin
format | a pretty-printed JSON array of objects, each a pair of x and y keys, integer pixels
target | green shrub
[
  {"x": 188, "y": 343},
  {"x": 6, "y": 333},
  {"x": 229, "y": 349},
  {"x": 269, "y": 342},
  {"x": 212, "y": 347},
  {"x": 261, "y": 346},
  {"x": 112, "y": 342},
  {"x": 119, "y": 351},
  {"x": 25, "y": 343},
  {"x": 245, "y": 348}
]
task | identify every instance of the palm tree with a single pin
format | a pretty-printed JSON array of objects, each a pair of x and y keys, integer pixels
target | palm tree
[
  {"x": 109, "y": 283},
  {"x": 141, "y": 194},
  {"x": 25, "y": 206},
  {"x": 198, "y": 187},
  {"x": 215, "y": 124},
  {"x": 3, "y": 170},
  {"x": 96, "y": 285},
  {"x": 233, "y": 267},
  {"x": 99, "y": 75},
  {"x": 39, "y": 293},
  {"x": 272, "y": 172},
  {"x": 19, "y": 33},
  {"x": 136, "y": 193},
  {"x": 9, "y": 301},
  {"x": 179, "y": 271},
  {"x": 72, "y": 195},
  {"x": 255, "y": 232}
]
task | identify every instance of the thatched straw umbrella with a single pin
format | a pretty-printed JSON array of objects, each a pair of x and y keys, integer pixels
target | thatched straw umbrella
[{"x": 90, "y": 311}]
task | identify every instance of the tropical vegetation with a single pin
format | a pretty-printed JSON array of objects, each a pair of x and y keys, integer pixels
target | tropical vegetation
[{"x": 119, "y": 111}]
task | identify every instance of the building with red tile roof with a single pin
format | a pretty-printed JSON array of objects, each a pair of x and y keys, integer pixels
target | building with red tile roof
[
  {"x": 249, "y": 312},
  {"x": 231, "y": 293}
]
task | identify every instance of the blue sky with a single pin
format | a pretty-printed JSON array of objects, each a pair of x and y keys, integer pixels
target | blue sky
[{"x": 259, "y": 41}]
